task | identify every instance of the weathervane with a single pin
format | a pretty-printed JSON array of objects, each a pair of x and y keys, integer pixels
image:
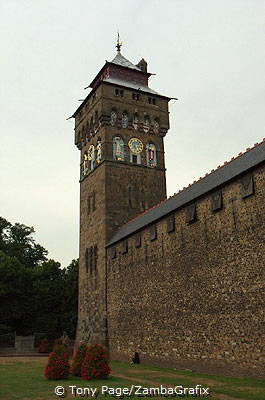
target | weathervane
[{"x": 119, "y": 44}]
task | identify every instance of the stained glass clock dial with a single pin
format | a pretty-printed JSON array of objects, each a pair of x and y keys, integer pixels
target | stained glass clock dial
[{"x": 135, "y": 145}]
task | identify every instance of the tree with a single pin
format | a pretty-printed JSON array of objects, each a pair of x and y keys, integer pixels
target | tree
[{"x": 36, "y": 294}]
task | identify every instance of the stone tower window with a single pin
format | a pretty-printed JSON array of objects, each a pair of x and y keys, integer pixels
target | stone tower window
[
  {"x": 156, "y": 125},
  {"x": 151, "y": 100},
  {"x": 135, "y": 158},
  {"x": 119, "y": 92},
  {"x": 118, "y": 148},
  {"x": 113, "y": 117},
  {"x": 136, "y": 96},
  {"x": 151, "y": 155},
  {"x": 124, "y": 120}
]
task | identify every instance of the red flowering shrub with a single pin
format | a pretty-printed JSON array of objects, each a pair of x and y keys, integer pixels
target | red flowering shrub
[
  {"x": 45, "y": 346},
  {"x": 58, "y": 363},
  {"x": 78, "y": 360},
  {"x": 96, "y": 363}
]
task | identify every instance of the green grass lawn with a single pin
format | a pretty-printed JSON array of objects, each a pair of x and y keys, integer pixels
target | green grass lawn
[{"x": 23, "y": 379}]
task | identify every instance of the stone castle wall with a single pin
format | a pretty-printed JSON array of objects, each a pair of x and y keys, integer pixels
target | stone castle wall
[{"x": 194, "y": 297}]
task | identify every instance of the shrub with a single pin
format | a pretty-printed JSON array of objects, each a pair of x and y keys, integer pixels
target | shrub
[
  {"x": 58, "y": 363},
  {"x": 45, "y": 346},
  {"x": 96, "y": 363},
  {"x": 78, "y": 360}
]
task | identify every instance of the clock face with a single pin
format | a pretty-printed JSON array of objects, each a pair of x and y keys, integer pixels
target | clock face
[
  {"x": 136, "y": 146},
  {"x": 91, "y": 152},
  {"x": 113, "y": 117}
]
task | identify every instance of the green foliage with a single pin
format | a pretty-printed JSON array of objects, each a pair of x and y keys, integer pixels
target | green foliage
[{"x": 36, "y": 294}]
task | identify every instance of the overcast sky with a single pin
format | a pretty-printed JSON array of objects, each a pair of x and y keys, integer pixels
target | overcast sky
[{"x": 209, "y": 54}]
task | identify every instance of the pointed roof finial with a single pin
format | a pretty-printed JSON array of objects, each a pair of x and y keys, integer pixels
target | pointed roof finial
[{"x": 119, "y": 44}]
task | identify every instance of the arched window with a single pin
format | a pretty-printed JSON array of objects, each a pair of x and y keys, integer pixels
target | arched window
[
  {"x": 151, "y": 155},
  {"x": 135, "y": 121},
  {"x": 124, "y": 120},
  {"x": 156, "y": 125},
  {"x": 113, "y": 117},
  {"x": 118, "y": 148},
  {"x": 146, "y": 124}
]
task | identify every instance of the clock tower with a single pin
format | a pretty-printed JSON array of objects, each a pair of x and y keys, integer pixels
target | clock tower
[{"x": 119, "y": 130}]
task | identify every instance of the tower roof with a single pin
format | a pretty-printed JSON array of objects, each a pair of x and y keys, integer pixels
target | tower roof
[{"x": 119, "y": 59}]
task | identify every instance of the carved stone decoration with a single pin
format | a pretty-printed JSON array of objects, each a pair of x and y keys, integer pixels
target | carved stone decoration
[
  {"x": 217, "y": 202},
  {"x": 85, "y": 164},
  {"x": 247, "y": 186},
  {"x": 146, "y": 125},
  {"x": 191, "y": 213},
  {"x": 135, "y": 121},
  {"x": 91, "y": 156}
]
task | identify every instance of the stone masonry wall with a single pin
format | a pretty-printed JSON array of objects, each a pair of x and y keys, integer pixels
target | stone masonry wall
[{"x": 194, "y": 298}]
